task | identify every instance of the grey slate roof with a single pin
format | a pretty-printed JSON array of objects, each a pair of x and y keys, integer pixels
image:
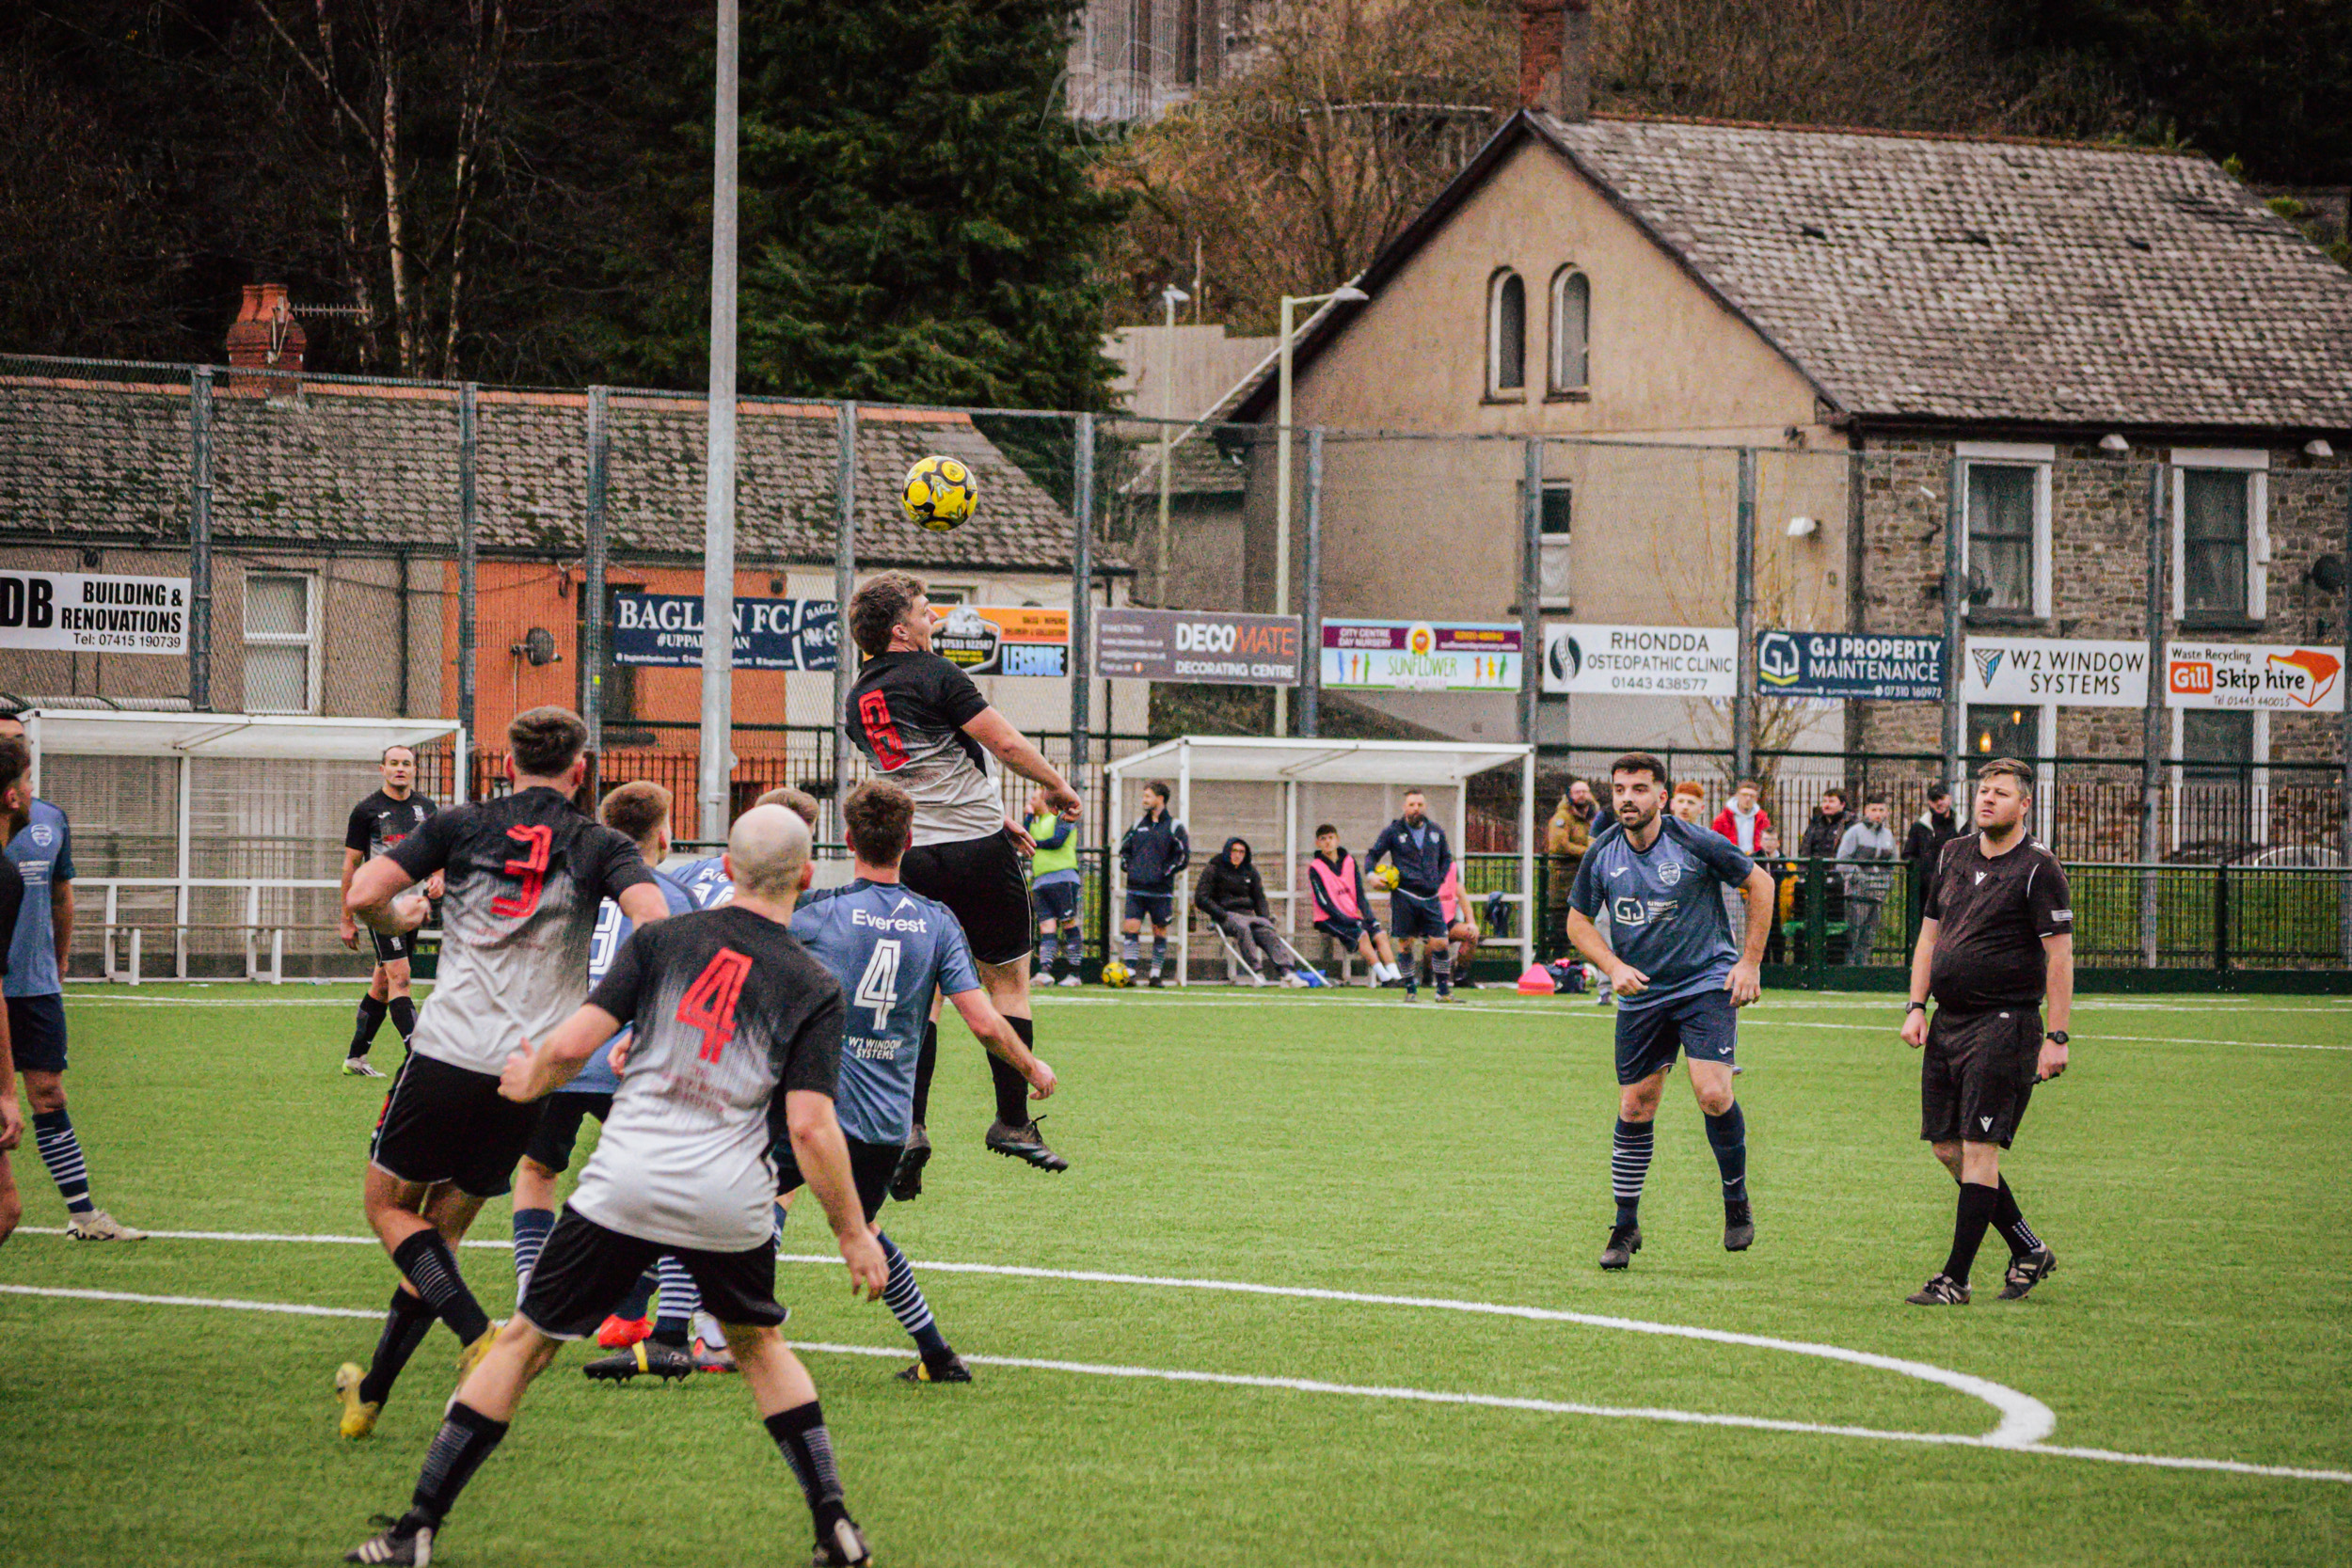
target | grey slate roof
[
  {"x": 377, "y": 467},
  {"x": 1964, "y": 279}
]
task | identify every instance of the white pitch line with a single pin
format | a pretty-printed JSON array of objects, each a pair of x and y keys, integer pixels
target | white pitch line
[{"x": 1309, "y": 1385}]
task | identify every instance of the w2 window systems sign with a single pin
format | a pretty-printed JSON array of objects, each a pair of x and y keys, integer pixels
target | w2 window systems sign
[
  {"x": 80, "y": 612},
  {"x": 1420, "y": 656},
  {"x": 2071, "y": 672}
]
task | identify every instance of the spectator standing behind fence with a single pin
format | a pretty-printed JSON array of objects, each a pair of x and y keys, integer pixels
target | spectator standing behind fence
[
  {"x": 1153, "y": 853},
  {"x": 1868, "y": 848},
  {"x": 1821, "y": 844},
  {"x": 1689, "y": 801},
  {"x": 1783, "y": 872},
  {"x": 1745, "y": 817},
  {"x": 1924, "y": 845},
  {"x": 1566, "y": 838},
  {"x": 1231, "y": 894}
]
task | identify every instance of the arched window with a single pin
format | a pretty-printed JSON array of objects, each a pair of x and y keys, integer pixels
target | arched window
[
  {"x": 1507, "y": 335},
  {"x": 1571, "y": 330}
]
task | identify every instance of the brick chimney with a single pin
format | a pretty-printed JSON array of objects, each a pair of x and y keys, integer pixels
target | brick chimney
[
  {"x": 265, "y": 337},
  {"x": 1556, "y": 58}
]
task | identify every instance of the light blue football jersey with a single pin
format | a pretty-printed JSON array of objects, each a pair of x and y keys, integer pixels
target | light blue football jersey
[
  {"x": 43, "y": 853},
  {"x": 890, "y": 949},
  {"x": 613, "y": 929},
  {"x": 706, "y": 882},
  {"x": 1666, "y": 915}
]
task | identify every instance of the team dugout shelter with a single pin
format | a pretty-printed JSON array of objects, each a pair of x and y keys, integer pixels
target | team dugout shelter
[
  {"x": 1273, "y": 793},
  {"x": 210, "y": 845}
]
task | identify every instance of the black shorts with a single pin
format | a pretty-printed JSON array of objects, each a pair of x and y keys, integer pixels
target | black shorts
[
  {"x": 444, "y": 1123},
  {"x": 1704, "y": 1026},
  {"x": 560, "y": 1116},
  {"x": 37, "y": 1032},
  {"x": 1977, "y": 1074},
  {"x": 1414, "y": 914},
  {"x": 394, "y": 950},
  {"x": 586, "y": 1271},
  {"x": 1056, "y": 901},
  {"x": 871, "y": 1167},
  {"x": 983, "y": 885},
  {"x": 1154, "y": 907},
  {"x": 1348, "y": 932}
]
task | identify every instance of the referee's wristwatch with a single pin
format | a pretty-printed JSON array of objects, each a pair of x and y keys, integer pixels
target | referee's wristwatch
[
  {"x": 2056, "y": 1037},
  {"x": 1916, "y": 1008}
]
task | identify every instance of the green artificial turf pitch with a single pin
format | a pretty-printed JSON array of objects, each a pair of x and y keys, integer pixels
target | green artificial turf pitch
[{"x": 2189, "y": 1171}]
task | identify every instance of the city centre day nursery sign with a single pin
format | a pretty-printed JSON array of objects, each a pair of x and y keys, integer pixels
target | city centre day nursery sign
[{"x": 1420, "y": 656}]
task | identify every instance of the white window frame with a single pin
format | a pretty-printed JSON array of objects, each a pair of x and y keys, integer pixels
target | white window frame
[
  {"x": 2258, "y": 803},
  {"x": 2012, "y": 454},
  {"x": 1496, "y": 392},
  {"x": 1557, "y": 384},
  {"x": 2255, "y": 464},
  {"x": 310, "y": 642},
  {"x": 2044, "y": 764},
  {"x": 1567, "y": 543}
]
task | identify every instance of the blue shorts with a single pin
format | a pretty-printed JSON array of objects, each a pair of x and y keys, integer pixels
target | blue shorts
[
  {"x": 1154, "y": 907},
  {"x": 1054, "y": 902},
  {"x": 37, "y": 1032},
  {"x": 1703, "y": 1024},
  {"x": 1414, "y": 914},
  {"x": 1348, "y": 932}
]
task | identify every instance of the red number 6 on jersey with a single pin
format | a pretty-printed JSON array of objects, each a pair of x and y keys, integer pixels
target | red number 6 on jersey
[
  {"x": 529, "y": 873},
  {"x": 874, "y": 711},
  {"x": 708, "y": 1004}
]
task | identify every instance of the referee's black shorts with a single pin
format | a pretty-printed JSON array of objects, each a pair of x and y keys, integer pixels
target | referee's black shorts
[
  {"x": 983, "y": 885},
  {"x": 1977, "y": 1074}
]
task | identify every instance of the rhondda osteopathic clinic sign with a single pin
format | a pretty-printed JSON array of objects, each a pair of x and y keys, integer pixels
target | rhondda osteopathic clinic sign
[
  {"x": 1581, "y": 659},
  {"x": 2070, "y": 672},
  {"x": 79, "y": 612}
]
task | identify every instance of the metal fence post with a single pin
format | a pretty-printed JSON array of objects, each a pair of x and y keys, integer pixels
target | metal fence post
[
  {"x": 1816, "y": 925},
  {"x": 1531, "y": 589},
  {"x": 1743, "y": 576},
  {"x": 2221, "y": 916},
  {"x": 1081, "y": 590},
  {"x": 844, "y": 582},
  {"x": 1955, "y": 596},
  {"x": 200, "y": 540},
  {"x": 467, "y": 564},
  {"x": 2343, "y": 841},
  {"x": 2152, "y": 739},
  {"x": 1309, "y": 671},
  {"x": 592, "y": 609}
]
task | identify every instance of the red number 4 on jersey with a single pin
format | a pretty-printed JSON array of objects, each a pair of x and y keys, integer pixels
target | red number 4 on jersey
[{"x": 708, "y": 1004}]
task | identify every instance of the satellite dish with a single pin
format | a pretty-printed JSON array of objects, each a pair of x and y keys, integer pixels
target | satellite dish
[
  {"x": 2327, "y": 574},
  {"x": 538, "y": 647}
]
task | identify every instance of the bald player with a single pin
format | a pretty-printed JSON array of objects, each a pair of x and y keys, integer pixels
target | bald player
[{"x": 737, "y": 1029}]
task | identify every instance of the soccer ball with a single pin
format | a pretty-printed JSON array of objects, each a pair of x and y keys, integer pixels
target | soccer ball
[
  {"x": 1386, "y": 877},
  {"x": 941, "y": 494},
  {"x": 1115, "y": 974}
]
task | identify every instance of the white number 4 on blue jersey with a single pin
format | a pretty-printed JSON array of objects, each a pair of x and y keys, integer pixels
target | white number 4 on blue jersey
[{"x": 878, "y": 988}]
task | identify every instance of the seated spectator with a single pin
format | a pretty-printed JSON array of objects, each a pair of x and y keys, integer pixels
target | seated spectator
[
  {"x": 1231, "y": 894},
  {"x": 1343, "y": 907},
  {"x": 1460, "y": 928}
]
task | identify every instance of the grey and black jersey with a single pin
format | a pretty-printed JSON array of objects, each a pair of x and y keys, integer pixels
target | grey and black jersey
[
  {"x": 730, "y": 1012},
  {"x": 379, "y": 822},
  {"x": 906, "y": 713},
  {"x": 524, "y": 876}
]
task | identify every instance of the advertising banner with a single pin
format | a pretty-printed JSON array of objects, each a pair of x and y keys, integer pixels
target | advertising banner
[
  {"x": 2254, "y": 674},
  {"x": 1581, "y": 659},
  {"x": 665, "y": 631},
  {"x": 80, "y": 612},
  {"x": 985, "y": 640},
  {"x": 1203, "y": 645},
  {"x": 2030, "y": 670},
  {"x": 1420, "y": 656},
  {"x": 1850, "y": 664}
]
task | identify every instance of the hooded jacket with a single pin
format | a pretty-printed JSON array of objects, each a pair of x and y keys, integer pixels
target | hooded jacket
[
  {"x": 1154, "y": 851},
  {"x": 1226, "y": 889},
  {"x": 1924, "y": 845}
]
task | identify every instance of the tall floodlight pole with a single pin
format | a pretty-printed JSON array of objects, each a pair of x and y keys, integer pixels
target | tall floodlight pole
[
  {"x": 718, "y": 754},
  {"x": 1345, "y": 294},
  {"x": 1172, "y": 296}
]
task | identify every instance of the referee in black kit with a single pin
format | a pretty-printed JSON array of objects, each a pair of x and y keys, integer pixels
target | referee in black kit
[{"x": 1999, "y": 936}]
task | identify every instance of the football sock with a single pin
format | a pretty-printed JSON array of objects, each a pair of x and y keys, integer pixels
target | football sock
[
  {"x": 427, "y": 1263},
  {"x": 640, "y": 1298},
  {"x": 923, "y": 1066},
  {"x": 906, "y": 1302},
  {"x": 405, "y": 1325},
  {"x": 1012, "y": 1090},
  {"x": 371, "y": 1019},
  {"x": 1727, "y": 1134},
  {"x": 465, "y": 1439},
  {"x": 530, "y": 1234},
  {"x": 679, "y": 1300},
  {"x": 1048, "y": 949},
  {"x": 807, "y": 1447},
  {"x": 1968, "y": 1227},
  {"x": 61, "y": 1151},
  {"x": 2010, "y": 1221},
  {"x": 1159, "y": 954},
  {"x": 1441, "y": 968},
  {"x": 404, "y": 1011},
  {"x": 1629, "y": 1166},
  {"x": 1129, "y": 949}
]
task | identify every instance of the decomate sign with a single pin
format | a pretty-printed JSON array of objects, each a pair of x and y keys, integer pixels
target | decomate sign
[
  {"x": 80, "y": 612},
  {"x": 1203, "y": 645}
]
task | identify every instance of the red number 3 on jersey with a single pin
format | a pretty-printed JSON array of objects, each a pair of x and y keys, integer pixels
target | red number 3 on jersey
[
  {"x": 881, "y": 735},
  {"x": 529, "y": 873},
  {"x": 708, "y": 1004}
]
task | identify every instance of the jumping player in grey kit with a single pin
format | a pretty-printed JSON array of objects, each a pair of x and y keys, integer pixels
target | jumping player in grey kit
[{"x": 1677, "y": 980}]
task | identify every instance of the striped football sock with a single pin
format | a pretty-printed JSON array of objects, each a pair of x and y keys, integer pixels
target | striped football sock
[
  {"x": 61, "y": 1151},
  {"x": 1628, "y": 1167},
  {"x": 905, "y": 1300},
  {"x": 679, "y": 1301},
  {"x": 531, "y": 1235}
]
